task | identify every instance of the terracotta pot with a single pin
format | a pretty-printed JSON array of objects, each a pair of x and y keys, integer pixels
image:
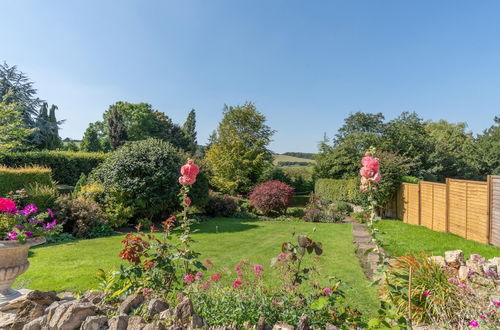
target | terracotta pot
[{"x": 13, "y": 262}]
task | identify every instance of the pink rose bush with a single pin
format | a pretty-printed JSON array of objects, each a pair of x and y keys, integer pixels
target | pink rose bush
[{"x": 21, "y": 224}]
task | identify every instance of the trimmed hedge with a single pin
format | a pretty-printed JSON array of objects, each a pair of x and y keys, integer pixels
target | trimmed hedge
[
  {"x": 410, "y": 179},
  {"x": 12, "y": 179},
  {"x": 67, "y": 166},
  {"x": 345, "y": 190}
]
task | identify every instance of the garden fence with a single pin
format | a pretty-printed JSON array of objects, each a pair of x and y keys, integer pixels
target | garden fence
[{"x": 470, "y": 209}]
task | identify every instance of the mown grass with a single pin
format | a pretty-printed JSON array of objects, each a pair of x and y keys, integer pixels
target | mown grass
[
  {"x": 399, "y": 238},
  {"x": 72, "y": 266}
]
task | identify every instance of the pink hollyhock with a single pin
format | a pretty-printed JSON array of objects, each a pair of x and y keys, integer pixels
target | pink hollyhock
[
  {"x": 7, "y": 205},
  {"x": 370, "y": 162},
  {"x": 327, "y": 291},
  {"x": 215, "y": 277},
  {"x": 366, "y": 173},
  {"x": 187, "y": 180},
  {"x": 237, "y": 283},
  {"x": 190, "y": 169},
  {"x": 187, "y": 201},
  {"x": 473, "y": 323},
  {"x": 189, "y": 278},
  {"x": 376, "y": 177}
]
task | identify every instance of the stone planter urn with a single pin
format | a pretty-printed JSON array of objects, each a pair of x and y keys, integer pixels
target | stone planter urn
[{"x": 13, "y": 262}]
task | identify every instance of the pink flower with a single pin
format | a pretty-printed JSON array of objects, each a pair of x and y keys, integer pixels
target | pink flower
[
  {"x": 49, "y": 226},
  {"x": 7, "y": 205},
  {"x": 257, "y": 269},
  {"x": 51, "y": 213},
  {"x": 237, "y": 268},
  {"x": 327, "y": 291},
  {"x": 366, "y": 173},
  {"x": 370, "y": 162},
  {"x": 462, "y": 286},
  {"x": 281, "y": 256},
  {"x": 189, "y": 278},
  {"x": 187, "y": 201},
  {"x": 206, "y": 285},
  {"x": 187, "y": 180},
  {"x": 496, "y": 303},
  {"x": 29, "y": 209},
  {"x": 473, "y": 323},
  {"x": 237, "y": 283},
  {"x": 180, "y": 295},
  {"x": 482, "y": 316},
  {"x": 12, "y": 235},
  {"x": 29, "y": 233},
  {"x": 190, "y": 169},
  {"x": 215, "y": 277},
  {"x": 426, "y": 293},
  {"x": 199, "y": 276}
]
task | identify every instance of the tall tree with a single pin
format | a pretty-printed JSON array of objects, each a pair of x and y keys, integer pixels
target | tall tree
[
  {"x": 13, "y": 131},
  {"x": 239, "y": 153},
  {"x": 488, "y": 150},
  {"x": 17, "y": 88},
  {"x": 117, "y": 134},
  {"x": 46, "y": 132},
  {"x": 90, "y": 141},
  {"x": 189, "y": 129}
]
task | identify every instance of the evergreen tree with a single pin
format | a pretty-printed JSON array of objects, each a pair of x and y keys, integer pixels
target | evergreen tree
[
  {"x": 117, "y": 134},
  {"x": 189, "y": 129},
  {"x": 46, "y": 132},
  {"x": 53, "y": 140},
  {"x": 90, "y": 142}
]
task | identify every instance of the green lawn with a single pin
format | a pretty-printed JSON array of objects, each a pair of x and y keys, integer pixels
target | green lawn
[
  {"x": 72, "y": 266},
  {"x": 399, "y": 238}
]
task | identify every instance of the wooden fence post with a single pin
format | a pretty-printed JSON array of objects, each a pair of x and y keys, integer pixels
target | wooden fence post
[
  {"x": 490, "y": 205},
  {"x": 447, "y": 217}
]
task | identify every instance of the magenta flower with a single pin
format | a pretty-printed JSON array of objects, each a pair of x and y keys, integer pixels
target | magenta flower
[
  {"x": 29, "y": 209},
  {"x": 189, "y": 278},
  {"x": 426, "y": 293},
  {"x": 237, "y": 283},
  {"x": 7, "y": 205},
  {"x": 51, "y": 213},
  {"x": 237, "y": 268},
  {"x": 327, "y": 291},
  {"x": 257, "y": 270},
  {"x": 29, "y": 233},
  {"x": 50, "y": 225},
  {"x": 482, "y": 316},
  {"x": 473, "y": 323},
  {"x": 496, "y": 303},
  {"x": 20, "y": 227},
  {"x": 12, "y": 235},
  {"x": 281, "y": 256},
  {"x": 215, "y": 277}
]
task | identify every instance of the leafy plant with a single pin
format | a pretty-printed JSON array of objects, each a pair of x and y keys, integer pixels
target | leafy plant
[
  {"x": 272, "y": 196},
  {"x": 220, "y": 205}
]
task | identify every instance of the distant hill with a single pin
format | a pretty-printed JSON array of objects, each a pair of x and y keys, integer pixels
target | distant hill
[
  {"x": 306, "y": 155},
  {"x": 287, "y": 160}
]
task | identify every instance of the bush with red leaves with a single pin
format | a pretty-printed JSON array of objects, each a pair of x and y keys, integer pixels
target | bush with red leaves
[{"x": 271, "y": 196}]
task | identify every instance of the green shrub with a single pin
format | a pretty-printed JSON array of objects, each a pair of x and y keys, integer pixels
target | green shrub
[
  {"x": 43, "y": 196},
  {"x": 410, "y": 179},
  {"x": 66, "y": 165},
  {"x": 344, "y": 190},
  {"x": 143, "y": 175},
  {"x": 221, "y": 205},
  {"x": 12, "y": 179},
  {"x": 79, "y": 216}
]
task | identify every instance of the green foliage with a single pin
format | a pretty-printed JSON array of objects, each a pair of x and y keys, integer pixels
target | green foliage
[
  {"x": 79, "y": 217},
  {"x": 142, "y": 175},
  {"x": 12, "y": 179},
  {"x": 66, "y": 166},
  {"x": 117, "y": 134},
  {"x": 345, "y": 190},
  {"x": 221, "y": 205},
  {"x": 43, "y": 196},
  {"x": 46, "y": 133},
  {"x": 238, "y": 153},
  {"x": 90, "y": 141},
  {"x": 189, "y": 129},
  {"x": 19, "y": 90},
  {"x": 305, "y": 155},
  {"x": 274, "y": 173},
  {"x": 13, "y": 132},
  {"x": 488, "y": 150},
  {"x": 409, "y": 179}
]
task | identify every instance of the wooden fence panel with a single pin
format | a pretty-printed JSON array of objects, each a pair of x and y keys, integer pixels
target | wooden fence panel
[
  {"x": 495, "y": 209},
  {"x": 440, "y": 206},
  {"x": 477, "y": 212},
  {"x": 457, "y": 208},
  {"x": 426, "y": 204},
  {"x": 411, "y": 201}
]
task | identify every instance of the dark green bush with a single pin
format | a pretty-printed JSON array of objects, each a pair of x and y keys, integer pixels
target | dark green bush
[
  {"x": 66, "y": 165},
  {"x": 410, "y": 179},
  {"x": 221, "y": 205},
  {"x": 344, "y": 190},
  {"x": 79, "y": 217},
  {"x": 143, "y": 176},
  {"x": 12, "y": 179}
]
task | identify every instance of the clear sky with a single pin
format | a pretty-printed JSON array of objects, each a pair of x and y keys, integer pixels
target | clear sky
[{"x": 306, "y": 64}]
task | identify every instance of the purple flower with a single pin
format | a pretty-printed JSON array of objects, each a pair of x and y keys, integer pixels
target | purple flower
[
  {"x": 29, "y": 233},
  {"x": 51, "y": 213},
  {"x": 327, "y": 291},
  {"x": 426, "y": 293},
  {"x": 29, "y": 209},
  {"x": 12, "y": 235},
  {"x": 20, "y": 227},
  {"x": 50, "y": 225},
  {"x": 463, "y": 286},
  {"x": 473, "y": 323}
]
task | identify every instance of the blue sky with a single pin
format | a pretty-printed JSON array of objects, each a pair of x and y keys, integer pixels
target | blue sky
[{"x": 306, "y": 64}]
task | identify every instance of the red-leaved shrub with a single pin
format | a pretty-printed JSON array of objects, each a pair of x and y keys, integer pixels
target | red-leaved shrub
[{"x": 271, "y": 196}]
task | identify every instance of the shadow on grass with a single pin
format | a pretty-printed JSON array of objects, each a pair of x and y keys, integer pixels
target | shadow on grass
[{"x": 226, "y": 225}]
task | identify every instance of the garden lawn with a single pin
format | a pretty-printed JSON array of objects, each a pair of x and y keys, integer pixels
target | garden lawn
[
  {"x": 399, "y": 238},
  {"x": 72, "y": 266}
]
